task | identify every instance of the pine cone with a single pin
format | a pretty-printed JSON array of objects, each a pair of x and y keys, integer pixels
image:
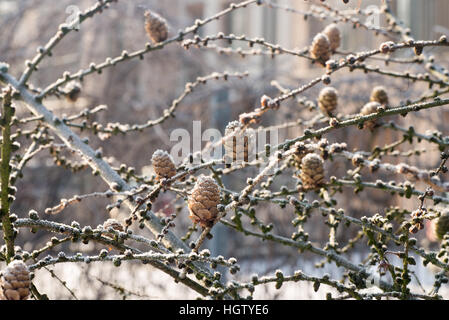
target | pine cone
[
  {"x": 73, "y": 91},
  {"x": 370, "y": 107},
  {"x": 379, "y": 94},
  {"x": 163, "y": 164},
  {"x": 239, "y": 146},
  {"x": 328, "y": 100},
  {"x": 203, "y": 202},
  {"x": 301, "y": 150},
  {"x": 114, "y": 224},
  {"x": 312, "y": 171},
  {"x": 15, "y": 281},
  {"x": 442, "y": 225},
  {"x": 321, "y": 48},
  {"x": 333, "y": 34},
  {"x": 156, "y": 27}
]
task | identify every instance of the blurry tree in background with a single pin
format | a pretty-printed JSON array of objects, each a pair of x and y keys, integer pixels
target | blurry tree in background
[{"x": 348, "y": 202}]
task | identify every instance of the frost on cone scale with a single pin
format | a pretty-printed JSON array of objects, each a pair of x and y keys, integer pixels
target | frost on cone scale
[
  {"x": 114, "y": 224},
  {"x": 333, "y": 34},
  {"x": 156, "y": 27},
  {"x": 321, "y": 48},
  {"x": 301, "y": 150},
  {"x": 15, "y": 281},
  {"x": 312, "y": 171},
  {"x": 328, "y": 100},
  {"x": 203, "y": 202},
  {"x": 370, "y": 107},
  {"x": 163, "y": 164},
  {"x": 379, "y": 94},
  {"x": 239, "y": 143}
]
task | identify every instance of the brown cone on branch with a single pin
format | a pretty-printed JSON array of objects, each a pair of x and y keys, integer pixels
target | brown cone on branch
[
  {"x": 301, "y": 150},
  {"x": 114, "y": 224},
  {"x": 379, "y": 94},
  {"x": 238, "y": 142},
  {"x": 203, "y": 202},
  {"x": 328, "y": 100},
  {"x": 163, "y": 164},
  {"x": 156, "y": 27},
  {"x": 15, "y": 281},
  {"x": 333, "y": 34},
  {"x": 321, "y": 48},
  {"x": 312, "y": 171},
  {"x": 370, "y": 107}
]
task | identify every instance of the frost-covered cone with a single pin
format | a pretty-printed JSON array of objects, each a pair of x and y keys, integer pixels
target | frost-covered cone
[
  {"x": 301, "y": 150},
  {"x": 114, "y": 224},
  {"x": 238, "y": 146},
  {"x": 203, "y": 201},
  {"x": 379, "y": 94},
  {"x": 333, "y": 34},
  {"x": 163, "y": 164},
  {"x": 15, "y": 281},
  {"x": 328, "y": 100},
  {"x": 370, "y": 107},
  {"x": 312, "y": 171},
  {"x": 156, "y": 27},
  {"x": 72, "y": 90},
  {"x": 321, "y": 48},
  {"x": 442, "y": 225}
]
